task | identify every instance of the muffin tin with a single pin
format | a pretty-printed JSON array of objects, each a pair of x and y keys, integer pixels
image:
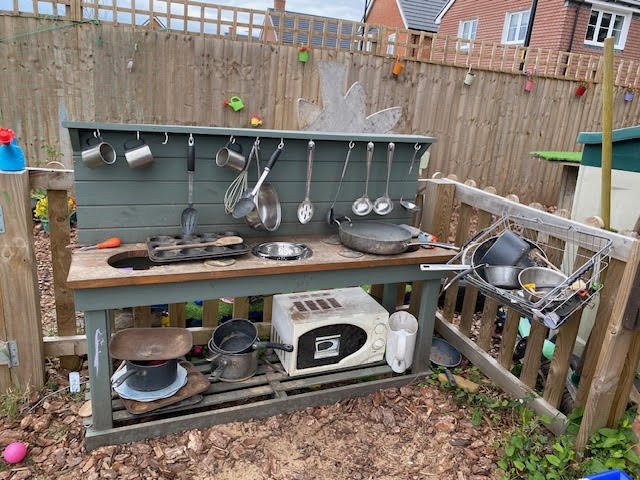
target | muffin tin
[{"x": 191, "y": 253}]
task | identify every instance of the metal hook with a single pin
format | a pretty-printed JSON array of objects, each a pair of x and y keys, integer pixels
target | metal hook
[
  {"x": 97, "y": 133},
  {"x": 138, "y": 135},
  {"x": 417, "y": 147},
  {"x": 232, "y": 139},
  {"x": 281, "y": 144},
  {"x": 351, "y": 144},
  {"x": 166, "y": 138},
  {"x": 191, "y": 140},
  {"x": 257, "y": 142}
]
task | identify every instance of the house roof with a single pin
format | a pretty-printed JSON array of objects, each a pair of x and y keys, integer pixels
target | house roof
[
  {"x": 421, "y": 14},
  {"x": 318, "y": 25}
]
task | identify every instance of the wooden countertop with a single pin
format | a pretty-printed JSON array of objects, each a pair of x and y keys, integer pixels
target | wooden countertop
[{"x": 90, "y": 269}]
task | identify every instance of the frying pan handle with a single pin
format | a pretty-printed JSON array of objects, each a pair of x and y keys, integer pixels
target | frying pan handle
[
  {"x": 277, "y": 346},
  {"x": 191, "y": 156},
  {"x": 460, "y": 275},
  {"x": 450, "y": 378},
  {"x": 127, "y": 374},
  {"x": 274, "y": 157}
]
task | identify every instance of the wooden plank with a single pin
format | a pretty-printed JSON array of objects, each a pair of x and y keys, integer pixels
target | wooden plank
[
  {"x": 241, "y": 307},
  {"x": 267, "y": 308},
  {"x": 68, "y": 345},
  {"x": 533, "y": 353},
  {"x": 612, "y": 279},
  {"x": 487, "y": 323},
  {"x": 438, "y": 196},
  {"x": 18, "y": 282},
  {"x": 612, "y": 357},
  {"x": 509, "y": 337},
  {"x": 210, "y": 313},
  {"x": 61, "y": 260},
  {"x": 465, "y": 213},
  {"x": 142, "y": 317},
  {"x": 499, "y": 375},
  {"x": 177, "y": 315},
  {"x": 266, "y": 408},
  {"x": 50, "y": 178},
  {"x": 626, "y": 383},
  {"x": 557, "y": 377},
  {"x": 471, "y": 293}
]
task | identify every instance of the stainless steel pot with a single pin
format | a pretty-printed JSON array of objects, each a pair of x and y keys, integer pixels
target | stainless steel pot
[
  {"x": 502, "y": 276},
  {"x": 268, "y": 214},
  {"x": 148, "y": 376},
  {"x": 232, "y": 367}
]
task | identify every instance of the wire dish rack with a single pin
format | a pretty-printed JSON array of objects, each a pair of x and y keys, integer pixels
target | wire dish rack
[{"x": 576, "y": 258}]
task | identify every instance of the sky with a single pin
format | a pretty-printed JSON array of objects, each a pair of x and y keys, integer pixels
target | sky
[{"x": 348, "y": 9}]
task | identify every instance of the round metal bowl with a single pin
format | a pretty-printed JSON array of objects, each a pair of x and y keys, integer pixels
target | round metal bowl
[
  {"x": 545, "y": 280},
  {"x": 282, "y": 251},
  {"x": 502, "y": 276}
]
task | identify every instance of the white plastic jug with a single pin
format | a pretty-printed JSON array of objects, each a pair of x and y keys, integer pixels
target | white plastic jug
[{"x": 401, "y": 341}]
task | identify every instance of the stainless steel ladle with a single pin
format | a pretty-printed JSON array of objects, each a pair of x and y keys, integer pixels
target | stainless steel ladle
[
  {"x": 384, "y": 205},
  {"x": 363, "y": 206},
  {"x": 406, "y": 204}
]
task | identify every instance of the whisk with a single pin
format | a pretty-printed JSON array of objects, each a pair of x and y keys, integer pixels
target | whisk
[{"x": 239, "y": 185}]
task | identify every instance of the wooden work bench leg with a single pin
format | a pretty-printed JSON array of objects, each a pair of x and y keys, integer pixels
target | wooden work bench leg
[
  {"x": 389, "y": 297},
  {"x": 97, "y": 328},
  {"x": 426, "y": 320}
]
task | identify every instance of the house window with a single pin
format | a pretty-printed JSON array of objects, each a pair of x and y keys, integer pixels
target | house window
[
  {"x": 467, "y": 30},
  {"x": 391, "y": 46},
  {"x": 603, "y": 24},
  {"x": 515, "y": 27}
]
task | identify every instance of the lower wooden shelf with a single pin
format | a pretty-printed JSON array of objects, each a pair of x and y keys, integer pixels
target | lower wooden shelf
[{"x": 271, "y": 391}]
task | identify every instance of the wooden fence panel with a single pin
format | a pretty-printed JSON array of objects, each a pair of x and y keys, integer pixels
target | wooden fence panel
[{"x": 485, "y": 131}]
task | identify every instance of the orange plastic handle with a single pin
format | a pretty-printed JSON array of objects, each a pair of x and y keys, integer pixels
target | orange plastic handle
[{"x": 112, "y": 242}]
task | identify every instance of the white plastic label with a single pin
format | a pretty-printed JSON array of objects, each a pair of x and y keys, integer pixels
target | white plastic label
[{"x": 74, "y": 382}]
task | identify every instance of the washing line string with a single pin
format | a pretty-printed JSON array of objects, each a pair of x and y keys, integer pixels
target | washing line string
[{"x": 74, "y": 23}]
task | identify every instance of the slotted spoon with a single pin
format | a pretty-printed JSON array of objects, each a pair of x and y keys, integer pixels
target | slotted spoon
[{"x": 305, "y": 209}]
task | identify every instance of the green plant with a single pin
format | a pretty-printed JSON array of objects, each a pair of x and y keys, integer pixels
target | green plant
[
  {"x": 52, "y": 152},
  {"x": 11, "y": 402},
  {"x": 611, "y": 448},
  {"x": 531, "y": 454}
]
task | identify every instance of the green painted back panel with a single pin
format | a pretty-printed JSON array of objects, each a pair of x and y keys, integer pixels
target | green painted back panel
[{"x": 115, "y": 200}]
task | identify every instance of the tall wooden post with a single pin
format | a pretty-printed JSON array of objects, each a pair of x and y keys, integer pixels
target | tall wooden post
[
  {"x": 607, "y": 133},
  {"x": 19, "y": 294}
]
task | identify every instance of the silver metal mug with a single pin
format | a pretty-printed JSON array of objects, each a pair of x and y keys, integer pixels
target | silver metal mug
[
  {"x": 98, "y": 155},
  {"x": 231, "y": 156},
  {"x": 138, "y": 155}
]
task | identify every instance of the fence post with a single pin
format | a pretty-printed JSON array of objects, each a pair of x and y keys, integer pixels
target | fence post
[{"x": 19, "y": 293}]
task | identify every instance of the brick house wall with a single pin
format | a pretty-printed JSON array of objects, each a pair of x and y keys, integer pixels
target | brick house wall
[{"x": 552, "y": 28}]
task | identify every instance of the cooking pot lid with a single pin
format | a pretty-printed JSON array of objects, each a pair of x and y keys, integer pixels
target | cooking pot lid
[{"x": 150, "y": 343}]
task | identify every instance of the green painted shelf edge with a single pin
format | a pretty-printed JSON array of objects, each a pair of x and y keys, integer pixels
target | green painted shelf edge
[
  {"x": 626, "y": 149},
  {"x": 561, "y": 156},
  {"x": 618, "y": 135}
]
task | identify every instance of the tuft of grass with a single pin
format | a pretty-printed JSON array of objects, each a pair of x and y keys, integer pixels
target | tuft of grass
[{"x": 12, "y": 401}]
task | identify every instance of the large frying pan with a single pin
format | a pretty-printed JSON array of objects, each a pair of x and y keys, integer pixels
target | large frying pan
[{"x": 379, "y": 238}]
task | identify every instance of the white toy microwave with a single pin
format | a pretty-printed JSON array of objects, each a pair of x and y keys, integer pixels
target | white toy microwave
[{"x": 329, "y": 329}]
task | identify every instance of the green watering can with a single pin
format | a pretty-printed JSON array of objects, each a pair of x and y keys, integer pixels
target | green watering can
[{"x": 236, "y": 103}]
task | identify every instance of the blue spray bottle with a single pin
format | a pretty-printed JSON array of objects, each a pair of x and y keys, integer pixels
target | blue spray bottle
[{"x": 11, "y": 156}]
